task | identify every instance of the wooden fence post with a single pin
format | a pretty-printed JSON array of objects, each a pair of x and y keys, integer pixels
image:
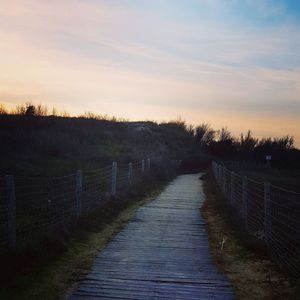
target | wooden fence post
[
  {"x": 231, "y": 187},
  {"x": 214, "y": 170},
  {"x": 78, "y": 193},
  {"x": 245, "y": 202},
  {"x": 130, "y": 174},
  {"x": 267, "y": 214},
  {"x": 224, "y": 180},
  {"x": 148, "y": 163},
  {"x": 10, "y": 211},
  {"x": 143, "y": 166},
  {"x": 114, "y": 179}
]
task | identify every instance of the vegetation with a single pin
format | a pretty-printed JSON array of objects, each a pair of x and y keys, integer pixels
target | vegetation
[
  {"x": 223, "y": 145},
  {"x": 287, "y": 179},
  {"x": 242, "y": 258},
  {"x": 50, "y": 270},
  {"x": 37, "y": 141},
  {"x": 41, "y": 141},
  {"x": 34, "y": 143}
]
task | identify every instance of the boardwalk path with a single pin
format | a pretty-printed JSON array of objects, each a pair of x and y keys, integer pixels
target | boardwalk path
[{"x": 162, "y": 253}]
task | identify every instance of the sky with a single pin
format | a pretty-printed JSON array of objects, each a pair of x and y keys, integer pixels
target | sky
[{"x": 229, "y": 63}]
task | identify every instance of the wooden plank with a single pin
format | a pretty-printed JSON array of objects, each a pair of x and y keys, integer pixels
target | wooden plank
[{"x": 162, "y": 253}]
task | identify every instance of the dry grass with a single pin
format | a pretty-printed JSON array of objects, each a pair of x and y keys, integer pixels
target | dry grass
[
  {"x": 251, "y": 273},
  {"x": 59, "y": 276}
]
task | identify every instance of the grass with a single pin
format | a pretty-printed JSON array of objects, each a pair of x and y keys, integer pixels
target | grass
[
  {"x": 243, "y": 260},
  {"x": 52, "y": 269},
  {"x": 288, "y": 179},
  {"x": 55, "y": 146}
]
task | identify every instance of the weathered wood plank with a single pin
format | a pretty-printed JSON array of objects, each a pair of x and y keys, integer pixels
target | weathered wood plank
[{"x": 162, "y": 253}]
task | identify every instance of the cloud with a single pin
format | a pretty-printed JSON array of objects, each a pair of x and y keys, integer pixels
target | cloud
[{"x": 155, "y": 57}]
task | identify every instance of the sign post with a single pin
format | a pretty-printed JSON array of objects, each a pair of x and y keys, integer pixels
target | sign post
[{"x": 268, "y": 160}]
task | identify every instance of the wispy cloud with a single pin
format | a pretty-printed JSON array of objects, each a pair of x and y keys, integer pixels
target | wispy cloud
[{"x": 182, "y": 57}]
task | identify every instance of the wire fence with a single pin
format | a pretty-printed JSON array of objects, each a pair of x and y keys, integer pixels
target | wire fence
[
  {"x": 34, "y": 208},
  {"x": 267, "y": 212}
]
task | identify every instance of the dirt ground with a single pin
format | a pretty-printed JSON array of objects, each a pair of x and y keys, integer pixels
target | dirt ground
[{"x": 253, "y": 275}]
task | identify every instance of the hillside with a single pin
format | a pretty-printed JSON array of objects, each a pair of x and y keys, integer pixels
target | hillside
[{"x": 50, "y": 145}]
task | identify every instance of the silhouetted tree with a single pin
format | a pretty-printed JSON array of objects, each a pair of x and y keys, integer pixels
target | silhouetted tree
[
  {"x": 204, "y": 135},
  {"x": 190, "y": 130},
  {"x": 30, "y": 110},
  {"x": 246, "y": 145},
  {"x": 284, "y": 143},
  {"x": 224, "y": 146},
  {"x": 224, "y": 135}
]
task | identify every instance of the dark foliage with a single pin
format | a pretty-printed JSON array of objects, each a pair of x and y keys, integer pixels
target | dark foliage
[
  {"x": 50, "y": 145},
  {"x": 36, "y": 142},
  {"x": 223, "y": 145}
]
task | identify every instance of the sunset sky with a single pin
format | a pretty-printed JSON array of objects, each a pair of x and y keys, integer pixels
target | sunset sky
[{"x": 230, "y": 63}]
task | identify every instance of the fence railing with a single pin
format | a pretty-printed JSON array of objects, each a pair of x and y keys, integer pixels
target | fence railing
[
  {"x": 267, "y": 212},
  {"x": 32, "y": 208},
  {"x": 244, "y": 164}
]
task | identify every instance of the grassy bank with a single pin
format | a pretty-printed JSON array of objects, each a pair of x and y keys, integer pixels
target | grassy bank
[
  {"x": 54, "y": 146},
  {"x": 242, "y": 259},
  {"x": 288, "y": 179},
  {"x": 52, "y": 269}
]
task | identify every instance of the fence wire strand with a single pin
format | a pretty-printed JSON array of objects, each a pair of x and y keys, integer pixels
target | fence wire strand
[
  {"x": 49, "y": 206},
  {"x": 267, "y": 212}
]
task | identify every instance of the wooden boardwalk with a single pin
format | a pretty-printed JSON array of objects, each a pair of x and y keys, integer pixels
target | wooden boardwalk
[{"x": 162, "y": 253}]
